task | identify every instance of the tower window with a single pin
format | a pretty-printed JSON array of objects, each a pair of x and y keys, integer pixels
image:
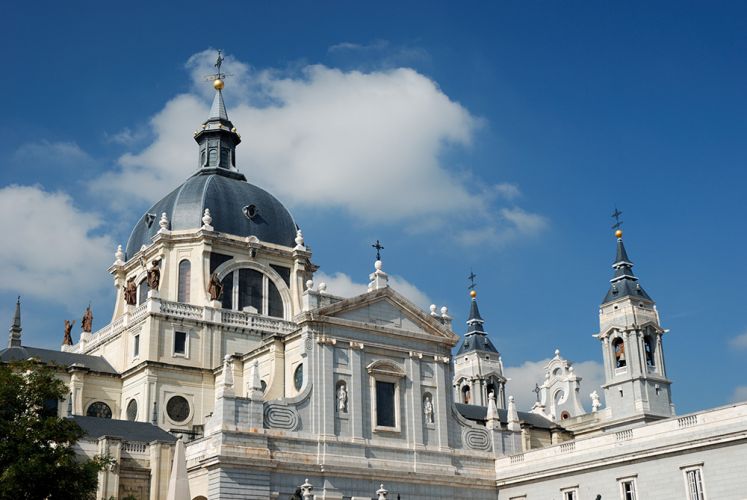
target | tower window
[
  {"x": 185, "y": 271},
  {"x": 618, "y": 347},
  {"x": 648, "y": 345},
  {"x": 252, "y": 291},
  {"x": 224, "y": 157},
  {"x": 213, "y": 157},
  {"x": 466, "y": 396},
  {"x": 180, "y": 343}
]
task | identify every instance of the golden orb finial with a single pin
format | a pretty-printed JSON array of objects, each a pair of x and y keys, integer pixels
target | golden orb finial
[
  {"x": 218, "y": 84},
  {"x": 619, "y": 233},
  {"x": 473, "y": 294}
]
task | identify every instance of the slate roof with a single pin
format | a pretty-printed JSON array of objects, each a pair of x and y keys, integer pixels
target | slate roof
[
  {"x": 624, "y": 283},
  {"x": 96, "y": 427},
  {"x": 64, "y": 359},
  {"x": 225, "y": 193},
  {"x": 479, "y": 414},
  {"x": 475, "y": 339}
]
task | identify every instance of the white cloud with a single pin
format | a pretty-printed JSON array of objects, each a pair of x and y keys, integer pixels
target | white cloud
[
  {"x": 739, "y": 342},
  {"x": 525, "y": 376},
  {"x": 46, "y": 152},
  {"x": 53, "y": 253},
  {"x": 126, "y": 136},
  {"x": 370, "y": 143},
  {"x": 739, "y": 394},
  {"x": 342, "y": 285}
]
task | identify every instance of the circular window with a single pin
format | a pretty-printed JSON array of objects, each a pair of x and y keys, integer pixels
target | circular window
[
  {"x": 177, "y": 409},
  {"x": 100, "y": 410},
  {"x": 250, "y": 211},
  {"x": 132, "y": 410},
  {"x": 298, "y": 377}
]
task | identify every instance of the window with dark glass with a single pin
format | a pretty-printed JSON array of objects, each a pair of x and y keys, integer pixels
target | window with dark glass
[
  {"x": 628, "y": 490},
  {"x": 648, "y": 345},
  {"x": 185, "y": 271},
  {"x": 50, "y": 407},
  {"x": 227, "y": 299},
  {"x": 224, "y": 157},
  {"x": 274, "y": 301},
  {"x": 298, "y": 377},
  {"x": 618, "y": 348},
  {"x": 284, "y": 273},
  {"x": 250, "y": 289},
  {"x": 99, "y": 409},
  {"x": 142, "y": 292},
  {"x": 385, "y": 404},
  {"x": 180, "y": 343},
  {"x": 132, "y": 410},
  {"x": 177, "y": 409},
  {"x": 213, "y": 157},
  {"x": 136, "y": 346}
]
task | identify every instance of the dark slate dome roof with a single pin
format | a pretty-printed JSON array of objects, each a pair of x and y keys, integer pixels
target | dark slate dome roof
[{"x": 225, "y": 193}]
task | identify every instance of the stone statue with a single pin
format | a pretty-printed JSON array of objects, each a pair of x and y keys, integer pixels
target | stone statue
[
  {"x": 428, "y": 410},
  {"x": 595, "y": 404},
  {"x": 87, "y": 321},
  {"x": 68, "y": 339},
  {"x": 154, "y": 274},
  {"x": 215, "y": 287},
  {"x": 342, "y": 399},
  {"x": 130, "y": 292}
]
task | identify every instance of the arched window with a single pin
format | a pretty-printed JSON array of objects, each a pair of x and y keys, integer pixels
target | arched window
[
  {"x": 185, "y": 271},
  {"x": 132, "y": 410},
  {"x": 252, "y": 291},
  {"x": 99, "y": 409},
  {"x": 618, "y": 348},
  {"x": 466, "y": 397}
]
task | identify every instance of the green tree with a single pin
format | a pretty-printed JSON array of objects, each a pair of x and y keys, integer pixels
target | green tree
[{"x": 37, "y": 460}]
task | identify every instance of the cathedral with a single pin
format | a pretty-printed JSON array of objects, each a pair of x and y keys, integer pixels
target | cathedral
[{"x": 227, "y": 372}]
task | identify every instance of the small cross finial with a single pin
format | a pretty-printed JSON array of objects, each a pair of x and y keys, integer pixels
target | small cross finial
[
  {"x": 379, "y": 247},
  {"x": 537, "y": 391},
  {"x": 616, "y": 215},
  {"x": 471, "y": 279}
]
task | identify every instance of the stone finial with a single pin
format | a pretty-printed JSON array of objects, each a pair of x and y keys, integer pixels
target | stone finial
[
  {"x": 164, "y": 223},
  {"x": 513, "y": 416},
  {"x": 557, "y": 353},
  {"x": 299, "y": 240},
  {"x": 14, "y": 339},
  {"x": 378, "y": 278},
  {"x": 226, "y": 388},
  {"x": 309, "y": 284},
  {"x": 492, "y": 419},
  {"x": 254, "y": 386},
  {"x": 207, "y": 220},
  {"x": 433, "y": 310},
  {"x": 306, "y": 488},
  {"x": 382, "y": 493},
  {"x": 445, "y": 318},
  {"x": 119, "y": 256},
  {"x": 322, "y": 287}
]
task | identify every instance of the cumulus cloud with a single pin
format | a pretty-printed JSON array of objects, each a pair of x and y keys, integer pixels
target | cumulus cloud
[
  {"x": 342, "y": 285},
  {"x": 370, "y": 143},
  {"x": 54, "y": 250},
  {"x": 525, "y": 376},
  {"x": 47, "y": 152},
  {"x": 739, "y": 342},
  {"x": 379, "y": 53}
]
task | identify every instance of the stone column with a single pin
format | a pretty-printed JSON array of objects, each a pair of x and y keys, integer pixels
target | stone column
[
  {"x": 441, "y": 401},
  {"x": 413, "y": 399},
  {"x": 358, "y": 384}
]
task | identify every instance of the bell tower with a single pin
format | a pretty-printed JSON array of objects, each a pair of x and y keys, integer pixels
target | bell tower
[{"x": 636, "y": 384}]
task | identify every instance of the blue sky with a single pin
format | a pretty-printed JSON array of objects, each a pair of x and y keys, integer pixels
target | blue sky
[{"x": 497, "y": 137}]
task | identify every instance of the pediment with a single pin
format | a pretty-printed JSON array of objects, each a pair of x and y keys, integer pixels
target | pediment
[{"x": 389, "y": 310}]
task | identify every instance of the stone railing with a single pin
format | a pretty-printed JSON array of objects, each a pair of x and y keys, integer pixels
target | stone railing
[
  {"x": 181, "y": 310},
  {"x": 676, "y": 429},
  {"x": 187, "y": 311},
  {"x": 134, "y": 447}
]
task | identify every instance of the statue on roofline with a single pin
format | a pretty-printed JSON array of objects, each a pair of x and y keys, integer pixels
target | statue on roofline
[
  {"x": 130, "y": 292},
  {"x": 215, "y": 287},
  {"x": 87, "y": 321},
  {"x": 68, "y": 339}
]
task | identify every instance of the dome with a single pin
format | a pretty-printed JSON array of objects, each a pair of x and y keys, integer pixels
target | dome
[{"x": 237, "y": 208}]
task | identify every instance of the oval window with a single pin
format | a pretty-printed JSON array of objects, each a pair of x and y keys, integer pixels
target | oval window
[
  {"x": 298, "y": 377},
  {"x": 132, "y": 410},
  {"x": 177, "y": 409},
  {"x": 100, "y": 410}
]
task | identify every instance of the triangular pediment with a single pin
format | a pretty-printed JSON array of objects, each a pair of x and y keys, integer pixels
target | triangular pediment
[{"x": 389, "y": 310}]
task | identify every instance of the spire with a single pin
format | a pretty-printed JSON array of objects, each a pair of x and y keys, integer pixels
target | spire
[
  {"x": 475, "y": 339},
  {"x": 15, "y": 329},
  {"x": 218, "y": 109},
  {"x": 624, "y": 283},
  {"x": 217, "y": 137}
]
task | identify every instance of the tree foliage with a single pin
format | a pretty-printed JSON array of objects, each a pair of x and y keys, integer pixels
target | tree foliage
[{"x": 37, "y": 460}]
